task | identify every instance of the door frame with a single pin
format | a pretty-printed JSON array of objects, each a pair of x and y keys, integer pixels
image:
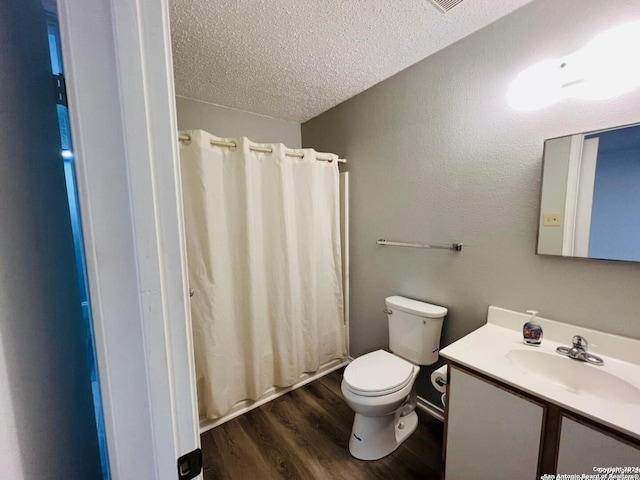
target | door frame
[{"x": 117, "y": 57}]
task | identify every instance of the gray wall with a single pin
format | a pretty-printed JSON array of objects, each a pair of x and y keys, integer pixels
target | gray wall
[
  {"x": 436, "y": 154},
  {"x": 228, "y": 122},
  {"x": 47, "y": 425}
]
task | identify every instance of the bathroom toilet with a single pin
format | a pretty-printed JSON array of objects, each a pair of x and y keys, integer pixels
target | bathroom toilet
[{"x": 379, "y": 386}]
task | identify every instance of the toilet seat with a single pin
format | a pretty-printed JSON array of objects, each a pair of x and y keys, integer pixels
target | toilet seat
[{"x": 378, "y": 373}]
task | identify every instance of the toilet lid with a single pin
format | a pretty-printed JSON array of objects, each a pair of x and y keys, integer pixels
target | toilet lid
[{"x": 377, "y": 373}]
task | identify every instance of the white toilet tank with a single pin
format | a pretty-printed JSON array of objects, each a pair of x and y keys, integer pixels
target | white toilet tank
[{"x": 414, "y": 329}]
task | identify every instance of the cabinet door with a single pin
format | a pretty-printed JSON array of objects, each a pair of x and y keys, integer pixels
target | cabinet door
[
  {"x": 491, "y": 433},
  {"x": 583, "y": 448}
]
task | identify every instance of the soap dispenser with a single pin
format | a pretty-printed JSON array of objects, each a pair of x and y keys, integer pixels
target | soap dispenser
[{"x": 532, "y": 331}]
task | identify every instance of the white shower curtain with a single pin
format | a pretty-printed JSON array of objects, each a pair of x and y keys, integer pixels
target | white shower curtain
[{"x": 263, "y": 244}]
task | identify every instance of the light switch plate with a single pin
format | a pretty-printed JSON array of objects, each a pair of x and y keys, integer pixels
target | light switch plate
[{"x": 552, "y": 219}]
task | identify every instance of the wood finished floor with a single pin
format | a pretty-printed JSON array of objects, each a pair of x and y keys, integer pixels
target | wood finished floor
[{"x": 305, "y": 434}]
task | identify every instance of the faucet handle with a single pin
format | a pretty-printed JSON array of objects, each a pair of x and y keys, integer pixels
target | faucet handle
[{"x": 580, "y": 342}]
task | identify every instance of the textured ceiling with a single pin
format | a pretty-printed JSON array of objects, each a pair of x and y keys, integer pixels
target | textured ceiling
[{"x": 294, "y": 59}]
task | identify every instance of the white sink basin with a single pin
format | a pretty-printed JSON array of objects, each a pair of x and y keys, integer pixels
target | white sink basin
[{"x": 574, "y": 376}]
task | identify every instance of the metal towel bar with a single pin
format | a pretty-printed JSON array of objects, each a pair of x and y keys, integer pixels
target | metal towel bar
[{"x": 456, "y": 247}]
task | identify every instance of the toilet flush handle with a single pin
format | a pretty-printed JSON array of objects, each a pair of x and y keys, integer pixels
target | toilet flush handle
[{"x": 387, "y": 311}]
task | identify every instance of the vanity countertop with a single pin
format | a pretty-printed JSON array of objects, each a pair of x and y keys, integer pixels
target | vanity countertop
[{"x": 608, "y": 394}]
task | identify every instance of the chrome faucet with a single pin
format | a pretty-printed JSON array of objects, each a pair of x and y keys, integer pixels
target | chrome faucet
[
  {"x": 579, "y": 348},
  {"x": 579, "y": 351}
]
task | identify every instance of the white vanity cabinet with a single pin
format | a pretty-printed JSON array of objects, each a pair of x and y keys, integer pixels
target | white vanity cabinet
[
  {"x": 495, "y": 431},
  {"x": 583, "y": 449},
  {"x": 491, "y": 433}
]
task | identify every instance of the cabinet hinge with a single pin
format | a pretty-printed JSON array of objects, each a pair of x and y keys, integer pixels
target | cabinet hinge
[{"x": 60, "y": 89}]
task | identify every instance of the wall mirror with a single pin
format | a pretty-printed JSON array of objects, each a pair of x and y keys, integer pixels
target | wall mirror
[{"x": 590, "y": 200}]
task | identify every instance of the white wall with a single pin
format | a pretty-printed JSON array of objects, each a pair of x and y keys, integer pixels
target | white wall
[
  {"x": 228, "y": 122},
  {"x": 436, "y": 154},
  {"x": 47, "y": 427},
  {"x": 554, "y": 194}
]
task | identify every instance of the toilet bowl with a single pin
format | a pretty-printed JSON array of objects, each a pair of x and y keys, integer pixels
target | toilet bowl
[
  {"x": 376, "y": 386},
  {"x": 380, "y": 386}
]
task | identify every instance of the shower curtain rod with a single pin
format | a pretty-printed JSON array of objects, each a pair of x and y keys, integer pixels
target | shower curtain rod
[{"x": 289, "y": 153}]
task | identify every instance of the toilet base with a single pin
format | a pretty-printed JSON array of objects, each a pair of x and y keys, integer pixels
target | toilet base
[{"x": 375, "y": 437}]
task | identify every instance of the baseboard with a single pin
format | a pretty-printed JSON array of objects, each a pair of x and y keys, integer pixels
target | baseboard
[
  {"x": 271, "y": 394},
  {"x": 431, "y": 409}
]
